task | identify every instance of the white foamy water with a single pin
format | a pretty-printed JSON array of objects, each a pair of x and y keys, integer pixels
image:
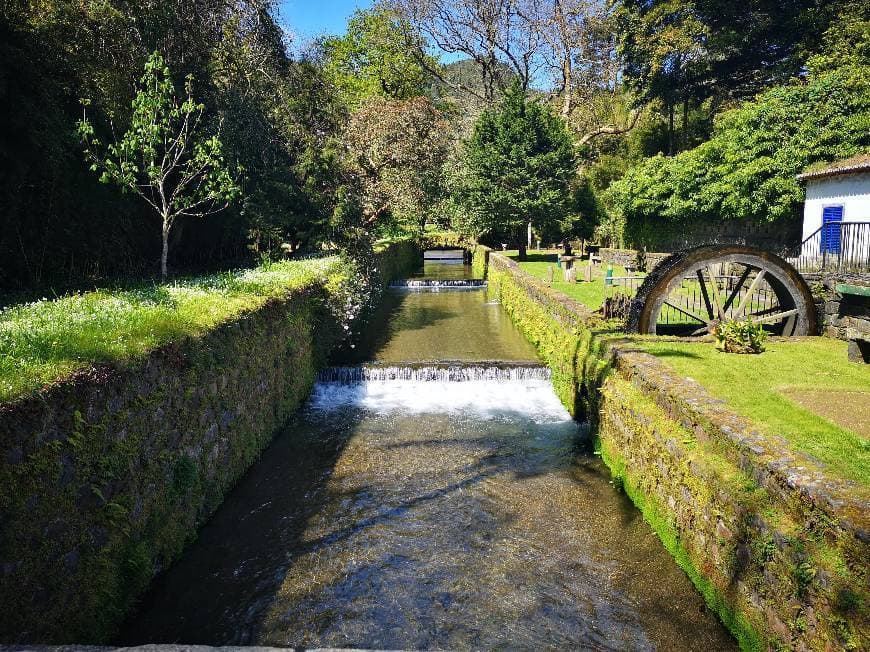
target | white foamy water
[
  {"x": 509, "y": 371},
  {"x": 530, "y": 399}
]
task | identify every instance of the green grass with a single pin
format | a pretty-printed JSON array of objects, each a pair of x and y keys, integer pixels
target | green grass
[
  {"x": 44, "y": 341},
  {"x": 753, "y": 385},
  {"x": 589, "y": 294}
]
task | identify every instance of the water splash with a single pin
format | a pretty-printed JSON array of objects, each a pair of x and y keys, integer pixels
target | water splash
[
  {"x": 485, "y": 390},
  {"x": 527, "y": 400}
]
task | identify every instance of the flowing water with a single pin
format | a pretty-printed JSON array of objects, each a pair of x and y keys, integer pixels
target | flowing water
[{"x": 431, "y": 504}]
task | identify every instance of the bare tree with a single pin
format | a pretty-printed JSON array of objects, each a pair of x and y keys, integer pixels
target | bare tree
[
  {"x": 568, "y": 45},
  {"x": 579, "y": 53},
  {"x": 489, "y": 32}
]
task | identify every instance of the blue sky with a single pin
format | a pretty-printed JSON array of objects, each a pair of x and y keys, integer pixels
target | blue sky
[{"x": 310, "y": 18}]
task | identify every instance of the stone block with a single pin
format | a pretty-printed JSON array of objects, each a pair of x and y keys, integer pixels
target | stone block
[{"x": 859, "y": 351}]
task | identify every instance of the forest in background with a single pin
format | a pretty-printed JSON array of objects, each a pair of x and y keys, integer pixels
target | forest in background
[{"x": 587, "y": 118}]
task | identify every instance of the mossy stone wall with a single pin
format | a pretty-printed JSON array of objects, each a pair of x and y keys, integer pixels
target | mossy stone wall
[
  {"x": 776, "y": 545},
  {"x": 107, "y": 475},
  {"x": 560, "y": 328}
]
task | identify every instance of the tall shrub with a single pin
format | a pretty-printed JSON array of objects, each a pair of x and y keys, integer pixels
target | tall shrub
[
  {"x": 747, "y": 170},
  {"x": 518, "y": 164}
]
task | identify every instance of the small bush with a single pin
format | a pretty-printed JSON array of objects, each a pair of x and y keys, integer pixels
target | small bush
[{"x": 734, "y": 336}]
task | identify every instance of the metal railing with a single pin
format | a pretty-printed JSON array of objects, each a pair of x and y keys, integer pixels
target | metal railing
[{"x": 841, "y": 247}]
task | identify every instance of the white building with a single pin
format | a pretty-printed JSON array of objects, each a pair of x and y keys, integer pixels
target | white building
[{"x": 836, "y": 230}]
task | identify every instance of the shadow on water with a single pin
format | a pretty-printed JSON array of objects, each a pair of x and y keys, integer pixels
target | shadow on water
[
  {"x": 387, "y": 530},
  {"x": 391, "y": 318},
  {"x": 215, "y": 592}
]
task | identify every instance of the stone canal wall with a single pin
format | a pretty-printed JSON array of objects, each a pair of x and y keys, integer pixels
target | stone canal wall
[
  {"x": 560, "y": 328},
  {"x": 107, "y": 475},
  {"x": 631, "y": 257},
  {"x": 776, "y": 545}
]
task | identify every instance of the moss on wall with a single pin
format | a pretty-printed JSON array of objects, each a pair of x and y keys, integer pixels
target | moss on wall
[
  {"x": 561, "y": 329},
  {"x": 479, "y": 261},
  {"x": 107, "y": 475},
  {"x": 777, "y": 549}
]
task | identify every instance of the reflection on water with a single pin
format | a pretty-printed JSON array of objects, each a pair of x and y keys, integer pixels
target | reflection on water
[
  {"x": 444, "y": 270},
  {"x": 411, "y": 514},
  {"x": 445, "y": 325}
]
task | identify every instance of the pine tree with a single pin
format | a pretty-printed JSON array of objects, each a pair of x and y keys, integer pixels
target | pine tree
[{"x": 519, "y": 163}]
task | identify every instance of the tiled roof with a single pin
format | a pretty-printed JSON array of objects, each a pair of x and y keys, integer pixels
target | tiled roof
[{"x": 859, "y": 163}]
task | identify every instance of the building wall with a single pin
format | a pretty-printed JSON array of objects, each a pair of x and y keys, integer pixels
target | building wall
[{"x": 852, "y": 191}]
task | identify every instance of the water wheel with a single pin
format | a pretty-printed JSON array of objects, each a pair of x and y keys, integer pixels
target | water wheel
[{"x": 689, "y": 292}]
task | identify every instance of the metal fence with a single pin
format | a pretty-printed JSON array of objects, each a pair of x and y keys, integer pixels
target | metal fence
[
  {"x": 624, "y": 284},
  {"x": 837, "y": 247}
]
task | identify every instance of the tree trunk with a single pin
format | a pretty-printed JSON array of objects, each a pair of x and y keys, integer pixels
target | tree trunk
[
  {"x": 670, "y": 129},
  {"x": 522, "y": 252},
  {"x": 567, "y": 75},
  {"x": 685, "y": 138},
  {"x": 165, "y": 253}
]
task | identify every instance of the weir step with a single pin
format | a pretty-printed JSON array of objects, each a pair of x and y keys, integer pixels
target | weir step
[
  {"x": 497, "y": 371},
  {"x": 431, "y": 283}
]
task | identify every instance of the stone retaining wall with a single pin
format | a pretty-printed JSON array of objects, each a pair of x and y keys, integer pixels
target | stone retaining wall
[
  {"x": 777, "y": 545},
  {"x": 629, "y": 257},
  {"x": 841, "y": 316},
  {"x": 657, "y": 234},
  {"x": 107, "y": 475}
]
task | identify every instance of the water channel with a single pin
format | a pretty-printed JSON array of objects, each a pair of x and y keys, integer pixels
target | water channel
[{"x": 430, "y": 499}]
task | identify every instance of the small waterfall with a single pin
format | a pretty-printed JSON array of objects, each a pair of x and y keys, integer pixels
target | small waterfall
[
  {"x": 444, "y": 255},
  {"x": 437, "y": 372},
  {"x": 437, "y": 284},
  {"x": 486, "y": 390}
]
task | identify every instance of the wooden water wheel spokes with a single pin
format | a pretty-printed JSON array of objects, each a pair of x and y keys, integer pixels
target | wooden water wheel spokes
[{"x": 690, "y": 292}]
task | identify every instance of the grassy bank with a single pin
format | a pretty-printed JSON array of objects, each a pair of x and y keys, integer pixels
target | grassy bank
[
  {"x": 802, "y": 390},
  {"x": 44, "y": 341},
  {"x": 591, "y": 294},
  {"x": 110, "y": 472}
]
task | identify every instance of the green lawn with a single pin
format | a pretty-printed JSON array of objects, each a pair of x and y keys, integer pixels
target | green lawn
[
  {"x": 589, "y": 294},
  {"x": 757, "y": 387},
  {"x": 44, "y": 341}
]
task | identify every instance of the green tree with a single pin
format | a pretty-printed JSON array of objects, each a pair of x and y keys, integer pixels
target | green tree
[
  {"x": 681, "y": 52},
  {"x": 847, "y": 41},
  {"x": 663, "y": 45},
  {"x": 166, "y": 157},
  {"x": 747, "y": 170},
  {"x": 519, "y": 163},
  {"x": 396, "y": 154},
  {"x": 375, "y": 58}
]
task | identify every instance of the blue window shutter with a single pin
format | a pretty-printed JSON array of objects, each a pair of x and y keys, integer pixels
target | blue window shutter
[{"x": 832, "y": 217}]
